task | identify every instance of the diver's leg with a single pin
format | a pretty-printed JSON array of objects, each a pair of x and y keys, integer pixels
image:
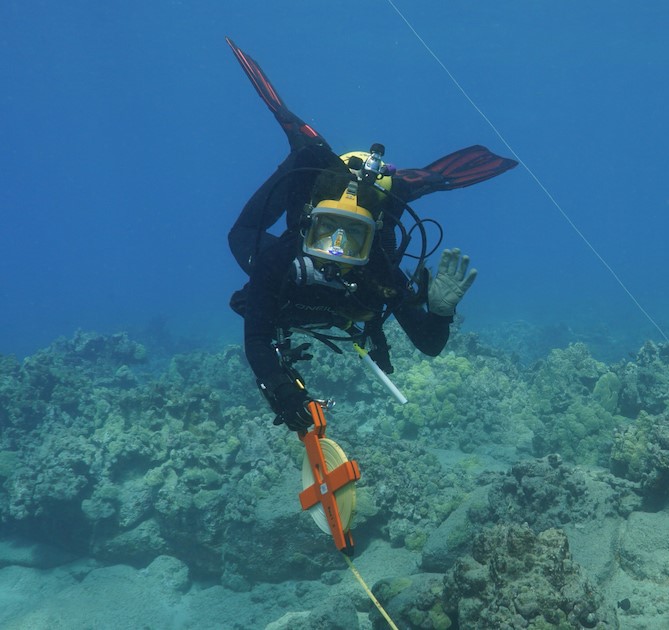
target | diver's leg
[
  {"x": 244, "y": 242},
  {"x": 286, "y": 191},
  {"x": 249, "y": 233}
]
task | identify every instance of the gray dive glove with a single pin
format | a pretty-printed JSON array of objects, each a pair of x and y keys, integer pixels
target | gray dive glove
[{"x": 451, "y": 282}]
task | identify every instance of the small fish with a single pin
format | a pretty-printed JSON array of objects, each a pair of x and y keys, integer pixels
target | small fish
[{"x": 624, "y": 604}]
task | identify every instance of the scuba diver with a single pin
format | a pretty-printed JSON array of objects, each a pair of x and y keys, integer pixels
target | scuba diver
[{"x": 337, "y": 264}]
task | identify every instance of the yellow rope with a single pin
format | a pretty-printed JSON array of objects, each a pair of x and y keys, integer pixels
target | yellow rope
[{"x": 369, "y": 592}]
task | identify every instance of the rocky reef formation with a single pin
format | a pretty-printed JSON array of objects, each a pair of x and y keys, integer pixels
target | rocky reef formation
[
  {"x": 517, "y": 579},
  {"x": 121, "y": 464},
  {"x": 105, "y": 452},
  {"x": 513, "y": 578},
  {"x": 640, "y": 453}
]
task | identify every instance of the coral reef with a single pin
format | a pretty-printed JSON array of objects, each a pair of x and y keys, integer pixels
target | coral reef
[
  {"x": 106, "y": 451},
  {"x": 415, "y": 601},
  {"x": 640, "y": 453},
  {"x": 574, "y": 398},
  {"x": 518, "y": 579},
  {"x": 123, "y": 464},
  {"x": 543, "y": 493},
  {"x": 645, "y": 381}
]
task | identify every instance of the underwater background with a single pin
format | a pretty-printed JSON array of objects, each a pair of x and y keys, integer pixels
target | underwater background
[
  {"x": 133, "y": 443},
  {"x": 131, "y": 140}
]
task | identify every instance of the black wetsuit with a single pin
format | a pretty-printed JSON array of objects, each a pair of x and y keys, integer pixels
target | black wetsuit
[
  {"x": 285, "y": 192},
  {"x": 270, "y": 301},
  {"x": 274, "y": 301}
]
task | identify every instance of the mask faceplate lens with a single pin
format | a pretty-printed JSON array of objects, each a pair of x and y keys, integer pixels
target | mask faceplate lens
[{"x": 335, "y": 236}]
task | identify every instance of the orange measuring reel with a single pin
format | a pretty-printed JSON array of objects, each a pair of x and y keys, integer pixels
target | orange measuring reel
[{"x": 328, "y": 479}]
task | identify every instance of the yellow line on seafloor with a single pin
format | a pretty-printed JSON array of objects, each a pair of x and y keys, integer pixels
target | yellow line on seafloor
[{"x": 367, "y": 590}]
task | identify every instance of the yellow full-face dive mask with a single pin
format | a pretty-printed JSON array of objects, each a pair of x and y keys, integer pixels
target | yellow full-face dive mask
[{"x": 340, "y": 231}]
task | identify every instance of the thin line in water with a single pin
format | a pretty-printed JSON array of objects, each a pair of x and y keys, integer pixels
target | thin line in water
[{"x": 539, "y": 183}]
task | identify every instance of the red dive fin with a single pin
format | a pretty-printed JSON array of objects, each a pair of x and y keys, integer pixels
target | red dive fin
[
  {"x": 455, "y": 170},
  {"x": 299, "y": 133}
]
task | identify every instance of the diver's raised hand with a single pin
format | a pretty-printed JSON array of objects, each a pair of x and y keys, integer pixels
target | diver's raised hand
[{"x": 451, "y": 282}]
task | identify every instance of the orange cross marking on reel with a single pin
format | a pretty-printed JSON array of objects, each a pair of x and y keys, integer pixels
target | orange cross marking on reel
[{"x": 328, "y": 482}]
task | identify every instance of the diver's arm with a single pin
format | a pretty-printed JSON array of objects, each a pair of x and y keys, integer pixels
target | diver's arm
[
  {"x": 427, "y": 331},
  {"x": 262, "y": 312},
  {"x": 281, "y": 385}
]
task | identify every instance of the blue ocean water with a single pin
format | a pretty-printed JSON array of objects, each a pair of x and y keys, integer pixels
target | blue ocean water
[{"x": 131, "y": 139}]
